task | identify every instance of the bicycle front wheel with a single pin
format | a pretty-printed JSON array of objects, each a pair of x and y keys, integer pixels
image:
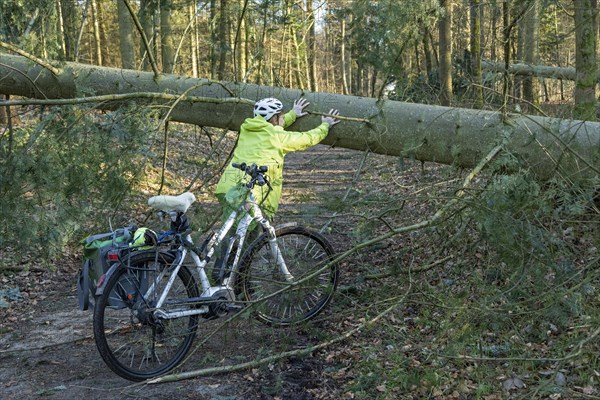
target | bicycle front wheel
[
  {"x": 283, "y": 300},
  {"x": 132, "y": 340}
]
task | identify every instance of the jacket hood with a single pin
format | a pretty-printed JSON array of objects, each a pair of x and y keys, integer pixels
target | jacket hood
[{"x": 257, "y": 123}]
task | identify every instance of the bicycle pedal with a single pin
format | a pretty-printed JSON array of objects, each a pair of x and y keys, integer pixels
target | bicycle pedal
[{"x": 234, "y": 307}]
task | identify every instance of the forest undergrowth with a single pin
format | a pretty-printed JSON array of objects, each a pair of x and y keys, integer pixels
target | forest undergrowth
[{"x": 497, "y": 297}]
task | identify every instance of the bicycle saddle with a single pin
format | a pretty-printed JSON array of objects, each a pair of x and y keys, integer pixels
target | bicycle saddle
[{"x": 172, "y": 203}]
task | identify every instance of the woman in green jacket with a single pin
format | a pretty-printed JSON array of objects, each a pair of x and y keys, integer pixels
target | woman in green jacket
[{"x": 263, "y": 141}]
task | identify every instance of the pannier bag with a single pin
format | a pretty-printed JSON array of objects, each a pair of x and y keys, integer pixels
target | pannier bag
[{"x": 96, "y": 262}]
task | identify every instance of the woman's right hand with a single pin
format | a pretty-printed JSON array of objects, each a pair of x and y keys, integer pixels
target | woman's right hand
[{"x": 330, "y": 119}]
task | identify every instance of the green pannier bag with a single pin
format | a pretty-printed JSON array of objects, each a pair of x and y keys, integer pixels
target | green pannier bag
[{"x": 95, "y": 261}]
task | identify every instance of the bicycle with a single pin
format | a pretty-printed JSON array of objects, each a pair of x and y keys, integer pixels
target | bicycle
[{"x": 149, "y": 304}]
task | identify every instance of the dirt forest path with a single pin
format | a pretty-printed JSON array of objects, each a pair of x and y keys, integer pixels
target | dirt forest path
[{"x": 47, "y": 348}]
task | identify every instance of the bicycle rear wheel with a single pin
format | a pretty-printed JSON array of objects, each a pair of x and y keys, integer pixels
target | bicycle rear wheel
[
  {"x": 133, "y": 342},
  {"x": 277, "y": 300}
]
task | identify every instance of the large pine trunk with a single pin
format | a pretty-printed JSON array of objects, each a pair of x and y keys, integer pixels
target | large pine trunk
[{"x": 428, "y": 133}]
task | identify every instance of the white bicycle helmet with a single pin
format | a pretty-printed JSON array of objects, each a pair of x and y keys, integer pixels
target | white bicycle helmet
[{"x": 268, "y": 107}]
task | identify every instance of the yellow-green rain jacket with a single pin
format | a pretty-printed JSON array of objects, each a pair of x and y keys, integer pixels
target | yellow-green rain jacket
[{"x": 263, "y": 143}]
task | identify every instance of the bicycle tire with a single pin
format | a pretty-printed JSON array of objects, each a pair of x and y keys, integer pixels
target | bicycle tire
[
  {"x": 134, "y": 344},
  {"x": 277, "y": 301}
]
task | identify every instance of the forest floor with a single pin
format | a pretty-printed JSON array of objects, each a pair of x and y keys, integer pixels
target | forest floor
[{"x": 47, "y": 348}]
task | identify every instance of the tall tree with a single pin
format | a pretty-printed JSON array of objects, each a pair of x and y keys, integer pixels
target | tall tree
[
  {"x": 60, "y": 25},
  {"x": 240, "y": 42},
  {"x": 476, "y": 53},
  {"x": 312, "y": 46},
  {"x": 261, "y": 45},
  {"x": 345, "y": 59},
  {"x": 586, "y": 65},
  {"x": 506, "y": 31},
  {"x": 445, "y": 27},
  {"x": 84, "y": 18},
  {"x": 530, "y": 51},
  {"x": 223, "y": 38},
  {"x": 427, "y": 51},
  {"x": 167, "y": 44},
  {"x": 194, "y": 37},
  {"x": 68, "y": 12},
  {"x": 126, "y": 44},
  {"x": 96, "y": 29},
  {"x": 146, "y": 17}
]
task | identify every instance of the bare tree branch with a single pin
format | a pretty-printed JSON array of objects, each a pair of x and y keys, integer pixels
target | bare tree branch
[
  {"x": 138, "y": 26},
  {"x": 55, "y": 71}
]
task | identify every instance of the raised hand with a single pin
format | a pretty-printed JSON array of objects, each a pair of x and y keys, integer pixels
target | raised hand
[
  {"x": 299, "y": 106},
  {"x": 330, "y": 119}
]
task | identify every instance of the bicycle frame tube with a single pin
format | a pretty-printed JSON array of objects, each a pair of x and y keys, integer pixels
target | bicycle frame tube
[
  {"x": 240, "y": 234},
  {"x": 270, "y": 230},
  {"x": 171, "y": 280},
  {"x": 251, "y": 211},
  {"x": 213, "y": 243}
]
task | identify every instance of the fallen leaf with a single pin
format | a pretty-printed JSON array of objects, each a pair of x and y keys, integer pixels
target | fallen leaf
[
  {"x": 589, "y": 390},
  {"x": 560, "y": 379},
  {"x": 513, "y": 383}
]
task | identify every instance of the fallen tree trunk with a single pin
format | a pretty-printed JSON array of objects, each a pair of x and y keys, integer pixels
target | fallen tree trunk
[
  {"x": 541, "y": 71},
  {"x": 428, "y": 133}
]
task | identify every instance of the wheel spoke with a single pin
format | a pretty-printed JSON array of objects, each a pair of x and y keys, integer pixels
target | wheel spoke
[
  {"x": 277, "y": 300},
  {"x": 132, "y": 341}
]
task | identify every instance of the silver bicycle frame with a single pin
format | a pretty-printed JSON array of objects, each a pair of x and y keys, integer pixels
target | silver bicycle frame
[{"x": 240, "y": 234}]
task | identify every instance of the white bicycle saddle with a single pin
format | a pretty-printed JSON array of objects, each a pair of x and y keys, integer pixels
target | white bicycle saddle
[{"x": 172, "y": 203}]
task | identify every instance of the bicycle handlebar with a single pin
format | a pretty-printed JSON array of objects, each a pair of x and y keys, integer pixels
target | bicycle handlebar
[{"x": 256, "y": 173}]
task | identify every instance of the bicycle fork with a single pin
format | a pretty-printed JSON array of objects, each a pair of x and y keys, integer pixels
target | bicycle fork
[{"x": 274, "y": 247}]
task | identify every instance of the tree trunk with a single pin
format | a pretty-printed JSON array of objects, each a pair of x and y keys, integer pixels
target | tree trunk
[
  {"x": 81, "y": 28},
  {"x": 223, "y": 39},
  {"x": 494, "y": 28},
  {"x": 214, "y": 49},
  {"x": 96, "y": 25},
  {"x": 60, "y": 27},
  {"x": 540, "y": 71},
  {"x": 167, "y": 45},
  {"x": 585, "y": 48},
  {"x": 345, "y": 68},
  {"x": 296, "y": 64},
  {"x": 445, "y": 26},
  {"x": 146, "y": 15},
  {"x": 194, "y": 36},
  {"x": 262, "y": 46},
  {"x": 428, "y": 133},
  {"x": 125, "y": 36},
  {"x": 239, "y": 43},
  {"x": 69, "y": 21},
  {"x": 506, "y": 30},
  {"x": 427, "y": 53},
  {"x": 312, "y": 47},
  {"x": 530, "y": 53},
  {"x": 476, "y": 54}
]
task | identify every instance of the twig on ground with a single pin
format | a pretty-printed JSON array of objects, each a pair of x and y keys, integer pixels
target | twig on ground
[
  {"x": 47, "y": 346},
  {"x": 267, "y": 360}
]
